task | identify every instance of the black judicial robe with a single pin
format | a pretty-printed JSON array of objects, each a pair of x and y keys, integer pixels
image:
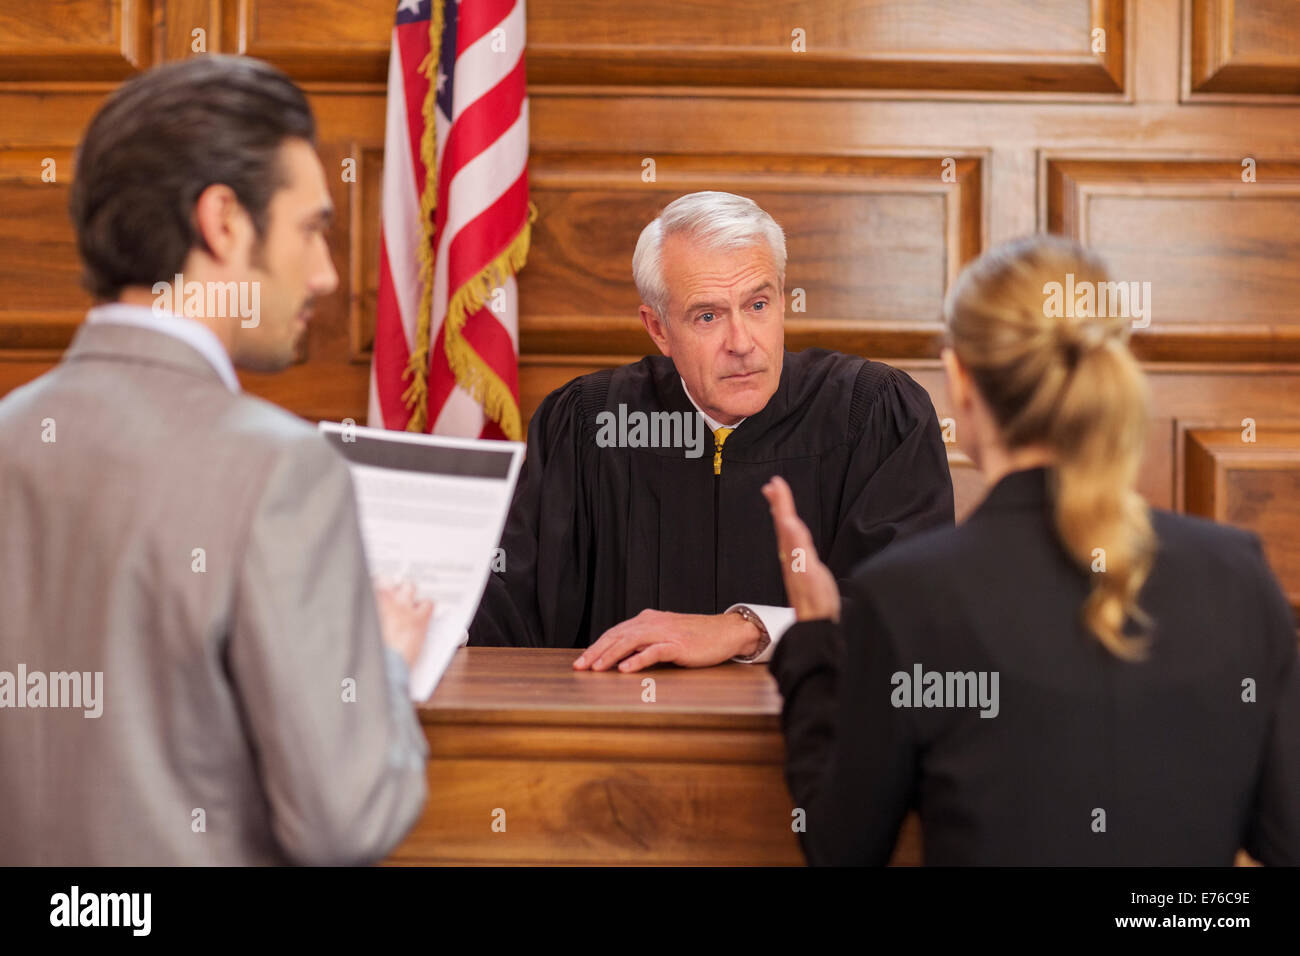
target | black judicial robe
[{"x": 598, "y": 534}]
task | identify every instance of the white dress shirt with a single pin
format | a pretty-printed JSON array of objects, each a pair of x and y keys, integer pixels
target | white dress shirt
[
  {"x": 776, "y": 619},
  {"x": 193, "y": 333}
]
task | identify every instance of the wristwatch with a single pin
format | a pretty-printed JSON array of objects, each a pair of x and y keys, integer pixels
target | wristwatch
[{"x": 764, "y": 639}]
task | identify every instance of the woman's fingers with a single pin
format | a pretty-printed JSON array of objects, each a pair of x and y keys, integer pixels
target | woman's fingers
[
  {"x": 809, "y": 585},
  {"x": 791, "y": 532}
]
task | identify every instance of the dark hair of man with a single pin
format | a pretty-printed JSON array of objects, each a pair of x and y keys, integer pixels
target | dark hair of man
[{"x": 157, "y": 142}]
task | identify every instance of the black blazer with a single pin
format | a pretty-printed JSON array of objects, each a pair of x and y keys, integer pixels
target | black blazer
[{"x": 1178, "y": 760}]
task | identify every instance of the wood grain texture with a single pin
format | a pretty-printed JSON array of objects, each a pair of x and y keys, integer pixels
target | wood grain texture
[
  {"x": 74, "y": 40},
  {"x": 987, "y": 45},
  {"x": 538, "y": 686},
  {"x": 1249, "y": 476},
  {"x": 583, "y": 770},
  {"x": 852, "y": 279},
  {"x": 1240, "y": 47},
  {"x": 1216, "y": 241},
  {"x": 873, "y": 238},
  {"x": 336, "y": 40},
  {"x": 179, "y": 25},
  {"x": 41, "y": 301},
  {"x": 850, "y": 272},
  {"x": 992, "y": 46}
]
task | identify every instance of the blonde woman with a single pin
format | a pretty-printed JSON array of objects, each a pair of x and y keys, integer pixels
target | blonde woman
[{"x": 1069, "y": 677}]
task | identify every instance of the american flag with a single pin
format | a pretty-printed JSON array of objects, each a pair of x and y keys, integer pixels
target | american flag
[{"x": 456, "y": 221}]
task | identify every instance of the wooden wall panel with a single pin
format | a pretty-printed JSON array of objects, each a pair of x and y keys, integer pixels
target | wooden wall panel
[
  {"x": 184, "y": 25},
  {"x": 1242, "y": 47},
  {"x": 337, "y": 40},
  {"x": 993, "y": 45},
  {"x": 365, "y": 199},
  {"x": 1251, "y": 478},
  {"x": 844, "y": 143},
  {"x": 1219, "y": 253},
  {"x": 41, "y": 300},
  {"x": 1002, "y": 45},
  {"x": 74, "y": 40},
  {"x": 1170, "y": 389},
  {"x": 872, "y": 242}
]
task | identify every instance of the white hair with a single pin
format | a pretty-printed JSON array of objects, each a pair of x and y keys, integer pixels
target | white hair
[{"x": 714, "y": 220}]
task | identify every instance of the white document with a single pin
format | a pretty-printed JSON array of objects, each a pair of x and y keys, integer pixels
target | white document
[{"x": 432, "y": 510}]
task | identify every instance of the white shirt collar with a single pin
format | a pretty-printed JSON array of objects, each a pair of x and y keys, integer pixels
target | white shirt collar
[
  {"x": 194, "y": 334},
  {"x": 709, "y": 420}
]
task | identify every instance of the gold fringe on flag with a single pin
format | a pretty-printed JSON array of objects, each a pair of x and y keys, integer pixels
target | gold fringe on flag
[
  {"x": 472, "y": 372},
  {"x": 416, "y": 396}
]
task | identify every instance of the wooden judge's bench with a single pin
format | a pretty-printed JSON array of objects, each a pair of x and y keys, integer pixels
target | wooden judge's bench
[{"x": 533, "y": 762}]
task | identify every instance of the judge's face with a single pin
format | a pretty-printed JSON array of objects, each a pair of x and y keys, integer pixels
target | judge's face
[
  {"x": 290, "y": 264},
  {"x": 725, "y": 325}
]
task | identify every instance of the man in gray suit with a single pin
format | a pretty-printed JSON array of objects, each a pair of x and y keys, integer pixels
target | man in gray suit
[{"x": 194, "y": 665}]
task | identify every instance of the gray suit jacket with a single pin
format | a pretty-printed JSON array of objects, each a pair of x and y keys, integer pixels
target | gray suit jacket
[{"x": 200, "y": 550}]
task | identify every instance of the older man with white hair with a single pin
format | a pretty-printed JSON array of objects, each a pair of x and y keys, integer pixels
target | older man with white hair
[{"x": 644, "y": 539}]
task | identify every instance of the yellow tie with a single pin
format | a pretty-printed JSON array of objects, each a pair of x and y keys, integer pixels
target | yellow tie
[{"x": 719, "y": 439}]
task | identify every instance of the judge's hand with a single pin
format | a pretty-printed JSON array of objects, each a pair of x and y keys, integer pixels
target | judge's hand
[
  {"x": 809, "y": 584},
  {"x": 403, "y": 621},
  {"x": 664, "y": 637}
]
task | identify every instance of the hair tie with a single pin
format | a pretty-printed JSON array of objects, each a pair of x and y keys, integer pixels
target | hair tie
[{"x": 1081, "y": 338}]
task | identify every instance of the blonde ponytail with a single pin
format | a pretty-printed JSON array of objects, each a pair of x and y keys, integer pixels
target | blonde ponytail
[{"x": 1068, "y": 382}]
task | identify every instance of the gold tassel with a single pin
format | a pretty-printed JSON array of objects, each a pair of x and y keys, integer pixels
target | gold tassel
[
  {"x": 472, "y": 372},
  {"x": 416, "y": 396}
]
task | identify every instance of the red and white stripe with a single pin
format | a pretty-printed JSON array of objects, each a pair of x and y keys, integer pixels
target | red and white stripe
[{"x": 482, "y": 156}]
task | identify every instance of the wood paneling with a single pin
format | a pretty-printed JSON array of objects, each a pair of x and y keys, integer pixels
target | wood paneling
[
  {"x": 844, "y": 143},
  {"x": 586, "y": 811},
  {"x": 587, "y": 770},
  {"x": 74, "y": 40},
  {"x": 1186, "y": 387},
  {"x": 336, "y": 40},
  {"x": 1242, "y": 46},
  {"x": 581, "y": 767},
  {"x": 1136, "y": 150},
  {"x": 41, "y": 301},
  {"x": 365, "y": 199},
  {"x": 986, "y": 45},
  {"x": 1250, "y": 477},
  {"x": 872, "y": 242},
  {"x": 185, "y": 27},
  {"x": 1219, "y": 252}
]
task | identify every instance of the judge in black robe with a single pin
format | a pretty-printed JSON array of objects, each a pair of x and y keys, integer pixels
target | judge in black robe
[
  {"x": 638, "y": 551},
  {"x": 597, "y": 534}
]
